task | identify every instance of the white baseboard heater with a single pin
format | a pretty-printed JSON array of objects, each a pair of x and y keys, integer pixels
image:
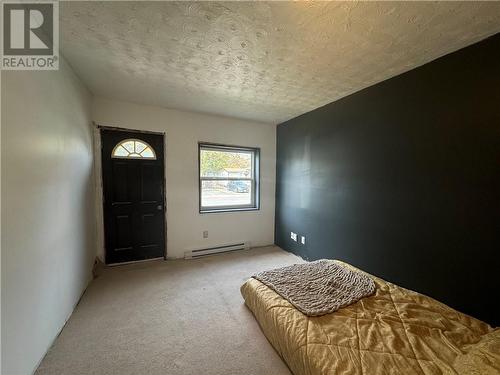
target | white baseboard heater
[{"x": 217, "y": 249}]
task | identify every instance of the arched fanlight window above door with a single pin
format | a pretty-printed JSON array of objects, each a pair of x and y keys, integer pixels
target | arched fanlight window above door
[{"x": 133, "y": 149}]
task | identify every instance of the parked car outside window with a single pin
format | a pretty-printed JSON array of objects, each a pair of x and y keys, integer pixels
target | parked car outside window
[{"x": 238, "y": 186}]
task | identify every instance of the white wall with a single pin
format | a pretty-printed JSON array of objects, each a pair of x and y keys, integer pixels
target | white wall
[
  {"x": 185, "y": 225},
  {"x": 48, "y": 233}
]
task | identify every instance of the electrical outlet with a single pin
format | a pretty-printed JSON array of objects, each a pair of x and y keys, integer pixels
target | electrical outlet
[
  {"x": 205, "y": 234},
  {"x": 293, "y": 236},
  {"x": 303, "y": 240}
]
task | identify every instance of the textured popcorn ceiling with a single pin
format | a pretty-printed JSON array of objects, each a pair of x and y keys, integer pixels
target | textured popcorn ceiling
[{"x": 267, "y": 61}]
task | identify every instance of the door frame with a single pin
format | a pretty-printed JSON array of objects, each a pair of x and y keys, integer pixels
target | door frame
[{"x": 98, "y": 172}]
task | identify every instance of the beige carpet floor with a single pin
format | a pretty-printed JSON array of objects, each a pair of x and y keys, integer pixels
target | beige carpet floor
[{"x": 169, "y": 317}]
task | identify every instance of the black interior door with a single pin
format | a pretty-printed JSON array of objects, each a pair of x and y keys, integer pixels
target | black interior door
[{"x": 134, "y": 195}]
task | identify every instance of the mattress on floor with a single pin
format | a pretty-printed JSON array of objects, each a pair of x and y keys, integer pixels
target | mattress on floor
[{"x": 395, "y": 331}]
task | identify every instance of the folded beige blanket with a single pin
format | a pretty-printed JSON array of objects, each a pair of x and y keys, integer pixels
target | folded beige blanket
[{"x": 318, "y": 288}]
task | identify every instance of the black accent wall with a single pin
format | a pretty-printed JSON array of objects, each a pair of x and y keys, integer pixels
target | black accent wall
[{"x": 402, "y": 180}]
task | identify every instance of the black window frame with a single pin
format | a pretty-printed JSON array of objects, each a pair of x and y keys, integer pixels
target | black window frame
[{"x": 255, "y": 206}]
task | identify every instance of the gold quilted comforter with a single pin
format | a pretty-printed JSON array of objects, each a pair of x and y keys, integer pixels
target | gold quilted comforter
[{"x": 395, "y": 331}]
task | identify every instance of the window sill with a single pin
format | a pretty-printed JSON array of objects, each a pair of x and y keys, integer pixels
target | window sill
[{"x": 226, "y": 210}]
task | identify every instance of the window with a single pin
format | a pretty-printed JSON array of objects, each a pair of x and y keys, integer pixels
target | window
[
  {"x": 229, "y": 178},
  {"x": 133, "y": 148}
]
